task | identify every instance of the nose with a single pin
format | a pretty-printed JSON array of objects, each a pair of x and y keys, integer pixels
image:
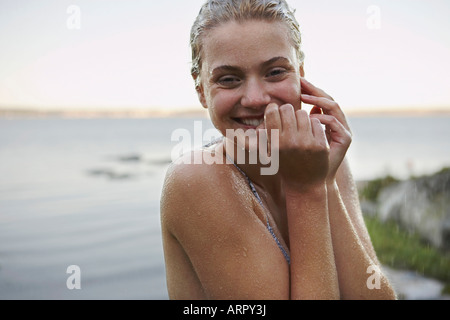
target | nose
[{"x": 255, "y": 94}]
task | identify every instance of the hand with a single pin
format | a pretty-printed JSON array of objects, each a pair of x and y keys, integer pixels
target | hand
[
  {"x": 302, "y": 146},
  {"x": 328, "y": 112}
]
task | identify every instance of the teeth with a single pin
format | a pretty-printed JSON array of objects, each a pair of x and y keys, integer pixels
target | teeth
[{"x": 252, "y": 122}]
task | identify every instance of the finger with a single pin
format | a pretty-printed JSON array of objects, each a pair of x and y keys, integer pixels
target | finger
[
  {"x": 331, "y": 122},
  {"x": 336, "y": 129},
  {"x": 272, "y": 121},
  {"x": 318, "y": 131},
  {"x": 340, "y": 138},
  {"x": 303, "y": 122},
  {"x": 288, "y": 119},
  {"x": 309, "y": 88},
  {"x": 328, "y": 106},
  {"x": 272, "y": 118}
]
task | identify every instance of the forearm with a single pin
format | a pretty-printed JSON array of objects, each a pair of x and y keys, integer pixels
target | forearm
[
  {"x": 313, "y": 269},
  {"x": 349, "y": 194},
  {"x": 354, "y": 264}
]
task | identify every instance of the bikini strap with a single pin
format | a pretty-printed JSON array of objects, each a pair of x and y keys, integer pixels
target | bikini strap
[{"x": 252, "y": 187}]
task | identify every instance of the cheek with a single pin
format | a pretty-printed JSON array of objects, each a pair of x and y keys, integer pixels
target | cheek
[
  {"x": 289, "y": 92},
  {"x": 222, "y": 102},
  {"x": 220, "y": 106}
]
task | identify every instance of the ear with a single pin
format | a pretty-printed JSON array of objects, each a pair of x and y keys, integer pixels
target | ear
[
  {"x": 200, "y": 92},
  {"x": 201, "y": 96}
]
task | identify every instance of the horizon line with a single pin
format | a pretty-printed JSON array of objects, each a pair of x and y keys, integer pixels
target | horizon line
[{"x": 197, "y": 111}]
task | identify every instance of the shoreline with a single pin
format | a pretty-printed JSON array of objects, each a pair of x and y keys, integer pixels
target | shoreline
[
  {"x": 197, "y": 112},
  {"x": 98, "y": 114}
]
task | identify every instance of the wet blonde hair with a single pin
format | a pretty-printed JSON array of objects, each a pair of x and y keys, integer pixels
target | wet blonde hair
[{"x": 216, "y": 12}]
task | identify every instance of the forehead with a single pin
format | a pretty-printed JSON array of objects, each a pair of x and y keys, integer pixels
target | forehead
[{"x": 245, "y": 44}]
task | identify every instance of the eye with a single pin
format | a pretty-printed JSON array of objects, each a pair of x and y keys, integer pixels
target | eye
[
  {"x": 229, "y": 81},
  {"x": 276, "y": 73}
]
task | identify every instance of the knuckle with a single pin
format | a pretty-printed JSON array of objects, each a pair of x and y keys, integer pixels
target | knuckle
[
  {"x": 322, "y": 149},
  {"x": 301, "y": 114},
  {"x": 335, "y": 120},
  {"x": 314, "y": 147},
  {"x": 349, "y": 138},
  {"x": 292, "y": 144},
  {"x": 315, "y": 120}
]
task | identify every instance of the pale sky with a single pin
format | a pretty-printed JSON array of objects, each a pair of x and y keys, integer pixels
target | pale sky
[{"x": 135, "y": 53}]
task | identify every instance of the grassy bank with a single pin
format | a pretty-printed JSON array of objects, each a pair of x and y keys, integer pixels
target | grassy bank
[{"x": 399, "y": 249}]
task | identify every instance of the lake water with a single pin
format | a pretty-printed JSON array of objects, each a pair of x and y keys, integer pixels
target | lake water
[{"x": 86, "y": 193}]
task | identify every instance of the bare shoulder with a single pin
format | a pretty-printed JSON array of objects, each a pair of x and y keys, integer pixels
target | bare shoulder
[
  {"x": 193, "y": 188},
  {"x": 216, "y": 243}
]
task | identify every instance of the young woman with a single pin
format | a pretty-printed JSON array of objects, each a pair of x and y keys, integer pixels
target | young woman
[{"x": 230, "y": 232}]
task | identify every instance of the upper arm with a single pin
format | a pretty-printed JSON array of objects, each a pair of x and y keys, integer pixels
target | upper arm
[{"x": 229, "y": 248}]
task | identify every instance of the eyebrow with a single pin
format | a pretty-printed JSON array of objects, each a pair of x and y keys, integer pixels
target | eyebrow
[{"x": 264, "y": 64}]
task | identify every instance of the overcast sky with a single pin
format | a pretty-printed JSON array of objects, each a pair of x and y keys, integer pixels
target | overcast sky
[{"x": 135, "y": 53}]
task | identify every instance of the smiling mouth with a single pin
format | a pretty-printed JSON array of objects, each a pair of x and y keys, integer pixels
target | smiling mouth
[{"x": 250, "y": 122}]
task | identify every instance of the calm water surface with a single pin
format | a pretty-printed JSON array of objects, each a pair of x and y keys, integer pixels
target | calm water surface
[{"x": 86, "y": 193}]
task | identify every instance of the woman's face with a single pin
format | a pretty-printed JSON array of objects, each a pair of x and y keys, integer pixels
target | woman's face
[{"x": 245, "y": 67}]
